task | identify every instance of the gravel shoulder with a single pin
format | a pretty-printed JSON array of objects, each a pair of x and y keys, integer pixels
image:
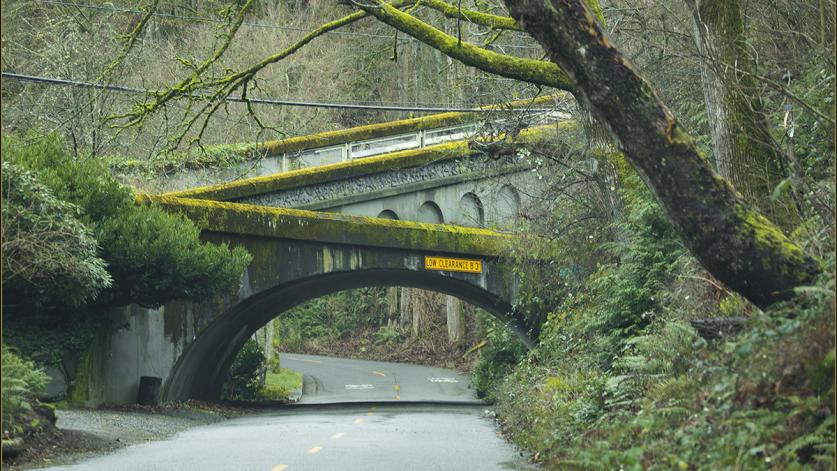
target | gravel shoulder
[{"x": 84, "y": 433}]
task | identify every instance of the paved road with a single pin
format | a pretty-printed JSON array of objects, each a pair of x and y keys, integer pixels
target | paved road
[
  {"x": 330, "y": 380},
  {"x": 339, "y": 428}
]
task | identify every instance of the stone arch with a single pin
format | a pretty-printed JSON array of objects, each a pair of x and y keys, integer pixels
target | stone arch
[
  {"x": 388, "y": 214},
  {"x": 507, "y": 206},
  {"x": 471, "y": 212},
  {"x": 201, "y": 368},
  {"x": 430, "y": 212}
]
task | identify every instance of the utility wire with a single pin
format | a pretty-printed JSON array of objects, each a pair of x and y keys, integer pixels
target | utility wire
[
  {"x": 262, "y": 101},
  {"x": 204, "y": 19}
]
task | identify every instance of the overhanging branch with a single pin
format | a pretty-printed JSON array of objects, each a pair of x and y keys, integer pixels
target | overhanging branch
[{"x": 528, "y": 70}]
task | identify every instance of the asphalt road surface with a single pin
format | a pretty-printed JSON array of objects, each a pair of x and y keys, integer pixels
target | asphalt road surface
[
  {"x": 354, "y": 415},
  {"x": 328, "y": 380}
]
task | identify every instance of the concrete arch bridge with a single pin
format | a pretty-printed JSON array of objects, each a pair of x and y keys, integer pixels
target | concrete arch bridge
[{"x": 344, "y": 237}]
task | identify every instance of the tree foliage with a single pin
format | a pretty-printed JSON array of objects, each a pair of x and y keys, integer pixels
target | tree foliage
[
  {"x": 49, "y": 255},
  {"x": 22, "y": 383},
  {"x": 151, "y": 257}
]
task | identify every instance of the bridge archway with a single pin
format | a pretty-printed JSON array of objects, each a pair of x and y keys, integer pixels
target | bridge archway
[{"x": 203, "y": 365}]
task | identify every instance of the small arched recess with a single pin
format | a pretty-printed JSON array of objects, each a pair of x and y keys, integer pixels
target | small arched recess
[
  {"x": 431, "y": 213},
  {"x": 388, "y": 214},
  {"x": 471, "y": 212}
]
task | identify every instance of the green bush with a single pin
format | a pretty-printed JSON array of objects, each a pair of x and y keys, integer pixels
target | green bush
[
  {"x": 247, "y": 373},
  {"x": 22, "y": 383},
  {"x": 49, "y": 255},
  {"x": 502, "y": 351},
  {"x": 152, "y": 256}
]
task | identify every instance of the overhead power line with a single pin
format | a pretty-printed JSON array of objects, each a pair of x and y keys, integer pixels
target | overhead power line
[
  {"x": 204, "y": 19},
  {"x": 260, "y": 101}
]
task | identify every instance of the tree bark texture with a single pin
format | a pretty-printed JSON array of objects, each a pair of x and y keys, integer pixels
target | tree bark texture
[
  {"x": 745, "y": 152},
  {"x": 453, "y": 306},
  {"x": 424, "y": 305},
  {"x": 392, "y": 303},
  {"x": 404, "y": 308},
  {"x": 732, "y": 240}
]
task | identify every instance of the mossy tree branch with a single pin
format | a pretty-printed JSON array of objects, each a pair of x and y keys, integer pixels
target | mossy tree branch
[
  {"x": 528, "y": 70},
  {"x": 735, "y": 243},
  {"x": 477, "y": 17}
]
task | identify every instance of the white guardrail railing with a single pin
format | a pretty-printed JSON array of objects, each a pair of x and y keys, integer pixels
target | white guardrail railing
[{"x": 413, "y": 140}]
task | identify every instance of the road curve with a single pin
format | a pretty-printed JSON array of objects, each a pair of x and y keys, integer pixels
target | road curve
[{"x": 330, "y": 380}]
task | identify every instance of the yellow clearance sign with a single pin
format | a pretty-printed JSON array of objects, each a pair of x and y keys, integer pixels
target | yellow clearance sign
[{"x": 453, "y": 264}]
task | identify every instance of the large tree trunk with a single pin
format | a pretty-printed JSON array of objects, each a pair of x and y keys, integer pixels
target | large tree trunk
[
  {"x": 731, "y": 239},
  {"x": 405, "y": 308},
  {"x": 456, "y": 329},
  {"x": 425, "y": 305},
  {"x": 745, "y": 152}
]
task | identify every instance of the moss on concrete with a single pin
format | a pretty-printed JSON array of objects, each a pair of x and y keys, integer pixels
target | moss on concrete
[
  {"x": 245, "y": 219},
  {"x": 354, "y": 168},
  {"x": 80, "y": 392}
]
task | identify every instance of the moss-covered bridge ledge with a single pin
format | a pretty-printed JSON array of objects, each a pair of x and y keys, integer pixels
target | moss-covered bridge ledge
[
  {"x": 294, "y": 224},
  {"x": 365, "y": 166}
]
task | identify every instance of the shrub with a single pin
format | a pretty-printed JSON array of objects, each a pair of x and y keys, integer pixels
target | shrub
[
  {"x": 502, "y": 351},
  {"x": 247, "y": 373},
  {"x": 22, "y": 383},
  {"x": 49, "y": 255},
  {"x": 152, "y": 256}
]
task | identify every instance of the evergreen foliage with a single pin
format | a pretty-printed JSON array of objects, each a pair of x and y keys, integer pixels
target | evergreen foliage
[
  {"x": 151, "y": 256},
  {"x": 49, "y": 254},
  {"x": 247, "y": 373},
  {"x": 22, "y": 382}
]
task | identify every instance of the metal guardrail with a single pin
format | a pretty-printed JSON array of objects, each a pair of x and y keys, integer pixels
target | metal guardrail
[{"x": 412, "y": 140}]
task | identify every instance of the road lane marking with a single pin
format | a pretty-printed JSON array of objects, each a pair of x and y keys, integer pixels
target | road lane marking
[
  {"x": 279, "y": 467},
  {"x": 359, "y": 420},
  {"x": 443, "y": 380},
  {"x": 379, "y": 373},
  {"x": 304, "y": 359},
  {"x": 360, "y": 386},
  {"x": 315, "y": 450},
  {"x": 338, "y": 435}
]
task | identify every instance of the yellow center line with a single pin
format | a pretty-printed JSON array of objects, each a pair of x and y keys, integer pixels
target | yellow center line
[
  {"x": 338, "y": 435},
  {"x": 315, "y": 450},
  {"x": 279, "y": 467},
  {"x": 379, "y": 373}
]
